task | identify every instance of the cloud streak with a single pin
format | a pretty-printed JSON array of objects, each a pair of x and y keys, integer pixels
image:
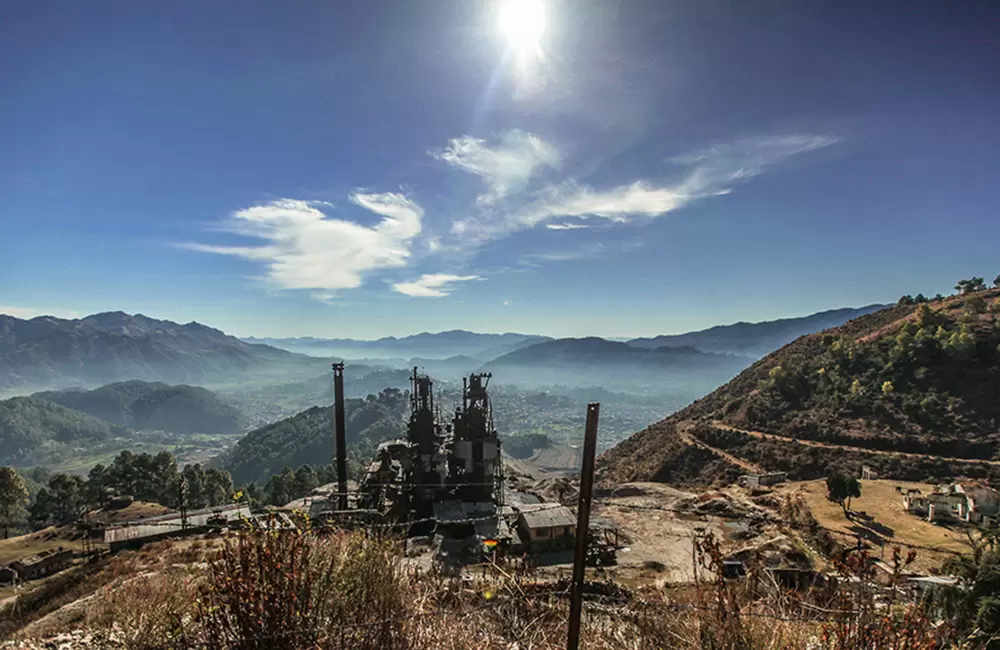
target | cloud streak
[
  {"x": 303, "y": 248},
  {"x": 705, "y": 173},
  {"x": 431, "y": 285},
  {"x": 506, "y": 167}
]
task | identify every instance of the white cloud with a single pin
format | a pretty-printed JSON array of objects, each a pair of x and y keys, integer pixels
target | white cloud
[
  {"x": 617, "y": 204},
  {"x": 566, "y": 226},
  {"x": 431, "y": 285},
  {"x": 505, "y": 167},
  {"x": 31, "y": 312},
  {"x": 305, "y": 249},
  {"x": 709, "y": 172}
]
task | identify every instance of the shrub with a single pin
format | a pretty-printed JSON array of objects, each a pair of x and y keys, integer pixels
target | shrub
[{"x": 294, "y": 589}]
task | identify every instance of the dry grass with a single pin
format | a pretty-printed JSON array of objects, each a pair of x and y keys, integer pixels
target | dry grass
[
  {"x": 880, "y": 500},
  {"x": 42, "y": 540}
]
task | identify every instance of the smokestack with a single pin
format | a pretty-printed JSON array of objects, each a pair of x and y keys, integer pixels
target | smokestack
[{"x": 340, "y": 434}]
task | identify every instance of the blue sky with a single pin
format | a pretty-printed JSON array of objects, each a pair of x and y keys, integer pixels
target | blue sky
[{"x": 584, "y": 168}]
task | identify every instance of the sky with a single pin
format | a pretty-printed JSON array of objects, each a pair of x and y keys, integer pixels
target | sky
[{"x": 570, "y": 168}]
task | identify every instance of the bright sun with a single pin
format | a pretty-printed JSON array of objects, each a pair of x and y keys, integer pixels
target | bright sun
[{"x": 522, "y": 23}]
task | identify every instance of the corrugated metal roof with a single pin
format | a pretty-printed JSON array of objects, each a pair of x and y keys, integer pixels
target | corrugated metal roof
[
  {"x": 172, "y": 523},
  {"x": 548, "y": 517}
]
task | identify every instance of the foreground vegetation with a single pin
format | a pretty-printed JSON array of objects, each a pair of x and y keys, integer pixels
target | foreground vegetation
[{"x": 347, "y": 590}]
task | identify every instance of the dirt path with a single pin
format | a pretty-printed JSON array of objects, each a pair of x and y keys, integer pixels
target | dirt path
[
  {"x": 683, "y": 429},
  {"x": 826, "y": 445}
]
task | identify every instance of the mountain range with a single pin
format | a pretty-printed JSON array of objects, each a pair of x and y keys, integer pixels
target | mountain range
[
  {"x": 597, "y": 362},
  {"x": 756, "y": 339},
  {"x": 49, "y": 352},
  {"x": 439, "y": 345}
]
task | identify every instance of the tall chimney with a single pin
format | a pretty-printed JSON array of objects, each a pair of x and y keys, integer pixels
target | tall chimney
[{"x": 340, "y": 433}]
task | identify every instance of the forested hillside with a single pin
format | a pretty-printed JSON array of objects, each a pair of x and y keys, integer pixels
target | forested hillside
[
  {"x": 32, "y": 429},
  {"x": 154, "y": 405},
  {"x": 307, "y": 438},
  {"x": 922, "y": 377}
]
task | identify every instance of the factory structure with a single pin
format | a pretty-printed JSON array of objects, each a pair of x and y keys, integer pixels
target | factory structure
[
  {"x": 445, "y": 481},
  {"x": 446, "y": 477}
]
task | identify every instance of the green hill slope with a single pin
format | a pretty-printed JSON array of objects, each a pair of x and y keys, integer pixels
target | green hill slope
[
  {"x": 917, "y": 379},
  {"x": 154, "y": 405},
  {"x": 307, "y": 438},
  {"x": 31, "y": 429}
]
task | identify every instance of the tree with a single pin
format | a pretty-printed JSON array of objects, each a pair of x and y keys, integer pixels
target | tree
[
  {"x": 279, "y": 487},
  {"x": 13, "y": 498},
  {"x": 218, "y": 486},
  {"x": 68, "y": 496},
  {"x": 305, "y": 481},
  {"x": 841, "y": 488},
  {"x": 971, "y": 285},
  {"x": 996, "y": 282},
  {"x": 975, "y": 305}
]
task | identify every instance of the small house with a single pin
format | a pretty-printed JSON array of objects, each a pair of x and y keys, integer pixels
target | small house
[
  {"x": 868, "y": 474},
  {"x": 547, "y": 527},
  {"x": 41, "y": 564}
]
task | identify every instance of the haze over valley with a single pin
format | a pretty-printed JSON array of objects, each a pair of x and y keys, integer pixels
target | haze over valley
[{"x": 110, "y": 383}]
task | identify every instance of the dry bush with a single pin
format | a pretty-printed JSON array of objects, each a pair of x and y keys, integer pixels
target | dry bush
[
  {"x": 145, "y": 612},
  {"x": 294, "y": 589}
]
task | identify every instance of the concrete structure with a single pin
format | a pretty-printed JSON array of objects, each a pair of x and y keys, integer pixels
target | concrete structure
[
  {"x": 763, "y": 480},
  {"x": 38, "y": 565},
  {"x": 868, "y": 474},
  {"x": 547, "y": 527},
  {"x": 968, "y": 501}
]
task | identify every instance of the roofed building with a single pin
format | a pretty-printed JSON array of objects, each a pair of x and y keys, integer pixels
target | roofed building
[{"x": 547, "y": 527}]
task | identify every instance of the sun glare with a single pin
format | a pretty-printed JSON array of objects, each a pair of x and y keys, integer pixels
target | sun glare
[{"x": 522, "y": 23}]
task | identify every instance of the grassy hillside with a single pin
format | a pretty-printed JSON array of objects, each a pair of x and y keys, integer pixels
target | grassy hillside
[
  {"x": 31, "y": 429},
  {"x": 919, "y": 379},
  {"x": 307, "y": 438},
  {"x": 154, "y": 405}
]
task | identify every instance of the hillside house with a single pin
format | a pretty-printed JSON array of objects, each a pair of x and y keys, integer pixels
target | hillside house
[
  {"x": 763, "y": 480},
  {"x": 968, "y": 501},
  {"x": 546, "y": 527},
  {"x": 38, "y": 565}
]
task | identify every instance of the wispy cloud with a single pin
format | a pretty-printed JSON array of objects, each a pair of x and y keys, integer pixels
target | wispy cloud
[
  {"x": 706, "y": 173},
  {"x": 432, "y": 285},
  {"x": 305, "y": 249},
  {"x": 566, "y": 226},
  {"x": 505, "y": 166},
  {"x": 32, "y": 312}
]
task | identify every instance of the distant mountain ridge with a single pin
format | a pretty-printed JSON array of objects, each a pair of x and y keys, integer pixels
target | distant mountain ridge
[
  {"x": 453, "y": 343},
  {"x": 115, "y": 346},
  {"x": 756, "y": 339},
  {"x": 595, "y": 361}
]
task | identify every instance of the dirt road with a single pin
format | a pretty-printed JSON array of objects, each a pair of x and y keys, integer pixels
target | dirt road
[{"x": 826, "y": 445}]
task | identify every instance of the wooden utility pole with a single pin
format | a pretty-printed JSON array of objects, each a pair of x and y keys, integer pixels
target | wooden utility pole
[
  {"x": 340, "y": 434},
  {"x": 583, "y": 525}
]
